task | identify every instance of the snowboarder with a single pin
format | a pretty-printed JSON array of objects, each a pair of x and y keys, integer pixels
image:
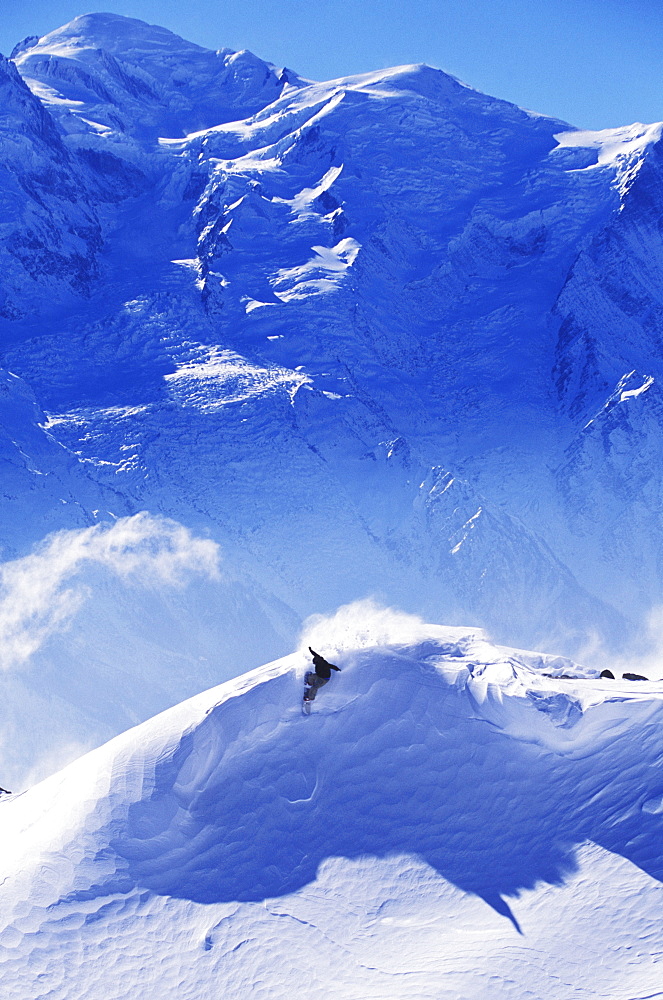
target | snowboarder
[{"x": 317, "y": 679}]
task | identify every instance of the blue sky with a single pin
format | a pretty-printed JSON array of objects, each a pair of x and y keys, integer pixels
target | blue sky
[{"x": 595, "y": 63}]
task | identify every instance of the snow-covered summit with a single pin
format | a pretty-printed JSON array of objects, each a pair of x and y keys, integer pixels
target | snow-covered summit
[
  {"x": 270, "y": 346},
  {"x": 133, "y": 39},
  {"x": 448, "y": 807},
  {"x": 115, "y": 73}
]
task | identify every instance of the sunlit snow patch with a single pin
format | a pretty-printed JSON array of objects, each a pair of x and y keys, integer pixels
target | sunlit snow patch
[
  {"x": 217, "y": 377},
  {"x": 302, "y": 203},
  {"x": 622, "y": 149},
  {"x": 627, "y": 389},
  {"x": 320, "y": 274}
]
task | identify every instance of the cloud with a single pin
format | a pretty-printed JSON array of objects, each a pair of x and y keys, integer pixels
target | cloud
[
  {"x": 648, "y": 658},
  {"x": 360, "y": 625},
  {"x": 39, "y": 594}
]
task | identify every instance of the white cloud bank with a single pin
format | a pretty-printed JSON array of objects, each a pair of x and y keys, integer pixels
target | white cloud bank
[{"x": 39, "y": 594}]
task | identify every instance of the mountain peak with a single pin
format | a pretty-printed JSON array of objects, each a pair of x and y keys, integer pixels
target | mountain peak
[
  {"x": 116, "y": 34},
  {"x": 125, "y": 75}
]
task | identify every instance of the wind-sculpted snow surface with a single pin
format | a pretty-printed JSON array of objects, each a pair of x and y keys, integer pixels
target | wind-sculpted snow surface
[{"x": 454, "y": 819}]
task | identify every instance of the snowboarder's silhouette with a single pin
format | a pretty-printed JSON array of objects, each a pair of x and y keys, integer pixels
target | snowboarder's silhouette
[{"x": 318, "y": 678}]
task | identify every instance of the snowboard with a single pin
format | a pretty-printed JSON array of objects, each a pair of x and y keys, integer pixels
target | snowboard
[{"x": 306, "y": 704}]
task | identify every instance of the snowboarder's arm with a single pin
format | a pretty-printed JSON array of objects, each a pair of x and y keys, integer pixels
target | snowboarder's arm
[{"x": 319, "y": 660}]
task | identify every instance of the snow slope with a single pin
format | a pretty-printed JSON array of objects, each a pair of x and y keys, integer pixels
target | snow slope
[
  {"x": 454, "y": 819},
  {"x": 50, "y": 232},
  {"x": 269, "y": 346}
]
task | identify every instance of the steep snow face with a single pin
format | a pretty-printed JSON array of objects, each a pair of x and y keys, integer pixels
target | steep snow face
[
  {"x": 452, "y": 819},
  {"x": 50, "y": 236},
  {"x": 104, "y": 72},
  {"x": 44, "y": 487},
  {"x": 608, "y": 376}
]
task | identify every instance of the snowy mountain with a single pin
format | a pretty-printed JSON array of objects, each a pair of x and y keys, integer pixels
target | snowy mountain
[
  {"x": 104, "y": 73},
  {"x": 272, "y": 347},
  {"x": 453, "y": 819},
  {"x": 383, "y": 335}
]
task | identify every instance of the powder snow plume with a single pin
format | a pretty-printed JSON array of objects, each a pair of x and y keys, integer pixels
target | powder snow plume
[
  {"x": 361, "y": 625},
  {"x": 644, "y": 657}
]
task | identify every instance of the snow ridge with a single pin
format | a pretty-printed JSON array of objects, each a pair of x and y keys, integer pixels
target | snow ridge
[{"x": 449, "y": 769}]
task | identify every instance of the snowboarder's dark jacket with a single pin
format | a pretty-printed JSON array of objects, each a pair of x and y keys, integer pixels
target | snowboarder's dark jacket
[{"x": 322, "y": 667}]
